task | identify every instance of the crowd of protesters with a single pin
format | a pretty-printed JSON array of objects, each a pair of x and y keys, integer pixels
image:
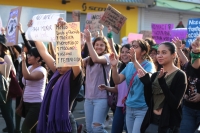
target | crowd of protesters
[{"x": 156, "y": 85}]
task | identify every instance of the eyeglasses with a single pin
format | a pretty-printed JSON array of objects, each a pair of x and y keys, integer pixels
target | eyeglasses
[
  {"x": 134, "y": 46},
  {"x": 29, "y": 55}
]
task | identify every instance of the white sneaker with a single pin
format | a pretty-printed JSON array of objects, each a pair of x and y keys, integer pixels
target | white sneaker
[{"x": 107, "y": 123}]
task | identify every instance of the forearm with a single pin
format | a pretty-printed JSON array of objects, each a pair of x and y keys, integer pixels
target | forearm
[
  {"x": 182, "y": 56},
  {"x": 25, "y": 71},
  {"x": 101, "y": 33},
  {"x": 115, "y": 75},
  {"x": 111, "y": 89},
  {"x": 93, "y": 54},
  {"x": 112, "y": 47},
  {"x": 26, "y": 42},
  {"x": 138, "y": 66}
]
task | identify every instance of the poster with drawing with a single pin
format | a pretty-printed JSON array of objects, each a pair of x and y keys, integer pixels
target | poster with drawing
[
  {"x": 76, "y": 14},
  {"x": 12, "y": 30},
  {"x": 113, "y": 18},
  {"x": 92, "y": 22},
  {"x": 68, "y": 46}
]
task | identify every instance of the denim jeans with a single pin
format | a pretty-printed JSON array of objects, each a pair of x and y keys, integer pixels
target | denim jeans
[
  {"x": 190, "y": 120},
  {"x": 73, "y": 123},
  {"x": 7, "y": 113},
  {"x": 118, "y": 120},
  {"x": 95, "y": 112},
  {"x": 134, "y": 118}
]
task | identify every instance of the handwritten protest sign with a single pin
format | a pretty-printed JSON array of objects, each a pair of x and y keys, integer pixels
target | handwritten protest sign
[
  {"x": 12, "y": 30},
  {"x": 133, "y": 36},
  {"x": 1, "y": 25},
  {"x": 181, "y": 33},
  {"x": 68, "y": 46},
  {"x": 92, "y": 22},
  {"x": 76, "y": 14},
  {"x": 113, "y": 18},
  {"x": 161, "y": 32},
  {"x": 193, "y": 29},
  {"x": 43, "y": 28},
  {"x": 146, "y": 34}
]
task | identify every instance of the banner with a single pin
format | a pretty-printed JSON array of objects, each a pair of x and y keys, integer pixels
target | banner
[
  {"x": 1, "y": 25},
  {"x": 161, "y": 32},
  {"x": 181, "y": 33},
  {"x": 76, "y": 14},
  {"x": 68, "y": 46},
  {"x": 113, "y": 18},
  {"x": 133, "y": 36},
  {"x": 193, "y": 29},
  {"x": 43, "y": 28},
  {"x": 146, "y": 34},
  {"x": 12, "y": 30},
  {"x": 92, "y": 22}
]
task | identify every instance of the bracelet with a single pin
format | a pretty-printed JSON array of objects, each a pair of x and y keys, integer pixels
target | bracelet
[
  {"x": 194, "y": 56},
  {"x": 109, "y": 35}
]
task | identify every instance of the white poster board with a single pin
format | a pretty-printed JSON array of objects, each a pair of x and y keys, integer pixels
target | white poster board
[
  {"x": 68, "y": 46},
  {"x": 43, "y": 28}
]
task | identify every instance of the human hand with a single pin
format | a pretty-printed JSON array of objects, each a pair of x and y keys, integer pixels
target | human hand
[
  {"x": 23, "y": 54},
  {"x": 132, "y": 54},
  {"x": 140, "y": 73},
  {"x": 195, "y": 97},
  {"x": 61, "y": 22},
  {"x": 102, "y": 87},
  {"x": 177, "y": 42},
  {"x": 3, "y": 31},
  {"x": 19, "y": 26},
  {"x": 88, "y": 36},
  {"x": 109, "y": 29},
  {"x": 113, "y": 60},
  {"x": 162, "y": 73},
  {"x": 30, "y": 23}
]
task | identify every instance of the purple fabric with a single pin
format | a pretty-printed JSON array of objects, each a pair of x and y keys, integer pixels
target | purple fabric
[{"x": 58, "y": 116}]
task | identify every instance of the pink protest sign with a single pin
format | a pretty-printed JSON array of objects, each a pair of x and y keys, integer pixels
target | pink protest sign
[
  {"x": 161, "y": 32},
  {"x": 181, "y": 33},
  {"x": 133, "y": 36}
]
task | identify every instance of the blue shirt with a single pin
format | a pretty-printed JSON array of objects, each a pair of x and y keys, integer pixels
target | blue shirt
[{"x": 135, "y": 97}]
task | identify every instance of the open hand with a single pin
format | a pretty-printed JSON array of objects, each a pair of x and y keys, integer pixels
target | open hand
[
  {"x": 87, "y": 36},
  {"x": 132, "y": 54},
  {"x": 102, "y": 87},
  {"x": 177, "y": 42},
  {"x": 113, "y": 60},
  {"x": 162, "y": 73}
]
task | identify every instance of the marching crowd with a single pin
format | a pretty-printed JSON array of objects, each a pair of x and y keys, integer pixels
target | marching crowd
[{"x": 148, "y": 84}]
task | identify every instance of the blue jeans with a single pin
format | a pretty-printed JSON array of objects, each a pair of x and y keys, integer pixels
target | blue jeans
[
  {"x": 118, "y": 120},
  {"x": 190, "y": 120},
  {"x": 95, "y": 112},
  {"x": 134, "y": 118},
  {"x": 7, "y": 113}
]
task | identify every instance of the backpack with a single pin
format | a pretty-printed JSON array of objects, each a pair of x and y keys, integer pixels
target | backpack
[{"x": 4, "y": 88}]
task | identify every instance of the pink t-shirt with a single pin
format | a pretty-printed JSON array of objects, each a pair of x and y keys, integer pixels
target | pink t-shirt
[
  {"x": 122, "y": 92},
  {"x": 95, "y": 77},
  {"x": 34, "y": 89}
]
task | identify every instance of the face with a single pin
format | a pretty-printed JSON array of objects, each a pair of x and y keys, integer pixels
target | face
[
  {"x": 99, "y": 47},
  {"x": 164, "y": 56},
  {"x": 124, "y": 55},
  {"x": 62, "y": 70},
  {"x": 153, "y": 55},
  {"x": 138, "y": 50},
  {"x": 32, "y": 59}
]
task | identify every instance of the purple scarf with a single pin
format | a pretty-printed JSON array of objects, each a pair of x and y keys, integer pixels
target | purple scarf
[{"x": 58, "y": 116}]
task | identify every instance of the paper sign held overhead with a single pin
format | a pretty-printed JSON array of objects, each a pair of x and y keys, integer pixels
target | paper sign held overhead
[
  {"x": 134, "y": 36},
  {"x": 146, "y": 34},
  {"x": 12, "y": 30},
  {"x": 43, "y": 28},
  {"x": 161, "y": 32},
  {"x": 76, "y": 14},
  {"x": 68, "y": 46},
  {"x": 92, "y": 22},
  {"x": 193, "y": 30},
  {"x": 113, "y": 18},
  {"x": 181, "y": 33}
]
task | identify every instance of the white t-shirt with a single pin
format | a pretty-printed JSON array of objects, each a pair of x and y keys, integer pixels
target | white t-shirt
[{"x": 34, "y": 89}]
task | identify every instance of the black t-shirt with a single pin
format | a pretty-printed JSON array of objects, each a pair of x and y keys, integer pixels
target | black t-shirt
[{"x": 193, "y": 78}]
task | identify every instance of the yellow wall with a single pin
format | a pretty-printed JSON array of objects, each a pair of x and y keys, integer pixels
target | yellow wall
[{"x": 131, "y": 24}]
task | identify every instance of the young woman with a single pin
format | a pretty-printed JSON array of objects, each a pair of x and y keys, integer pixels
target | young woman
[
  {"x": 122, "y": 90},
  {"x": 34, "y": 80},
  {"x": 96, "y": 106},
  {"x": 135, "y": 103},
  {"x": 191, "y": 105},
  {"x": 55, "y": 115},
  {"x": 164, "y": 91}
]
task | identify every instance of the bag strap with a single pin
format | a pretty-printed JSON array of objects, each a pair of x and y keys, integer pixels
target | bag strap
[{"x": 104, "y": 75}]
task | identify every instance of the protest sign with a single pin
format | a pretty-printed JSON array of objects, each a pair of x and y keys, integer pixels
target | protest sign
[
  {"x": 92, "y": 22},
  {"x": 161, "y": 32},
  {"x": 43, "y": 28},
  {"x": 1, "y": 25},
  {"x": 12, "y": 30},
  {"x": 193, "y": 29},
  {"x": 76, "y": 14},
  {"x": 68, "y": 46},
  {"x": 146, "y": 34},
  {"x": 133, "y": 36},
  {"x": 113, "y": 18},
  {"x": 181, "y": 33}
]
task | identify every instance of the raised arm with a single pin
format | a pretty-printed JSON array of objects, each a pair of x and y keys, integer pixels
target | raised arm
[
  {"x": 94, "y": 56},
  {"x": 111, "y": 41}
]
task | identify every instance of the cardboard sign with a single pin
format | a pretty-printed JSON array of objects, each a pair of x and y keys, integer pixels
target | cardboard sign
[
  {"x": 113, "y": 18},
  {"x": 76, "y": 14},
  {"x": 12, "y": 30},
  {"x": 43, "y": 28},
  {"x": 1, "y": 25},
  {"x": 68, "y": 46},
  {"x": 133, "y": 36},
  {"x": 146, "y": 34},
  {"x": 193, "y": 30},
  {"x": 92, "y": 22},
  {"x": 161, "y": 32},
  {"x": 181, "y": 33}
]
